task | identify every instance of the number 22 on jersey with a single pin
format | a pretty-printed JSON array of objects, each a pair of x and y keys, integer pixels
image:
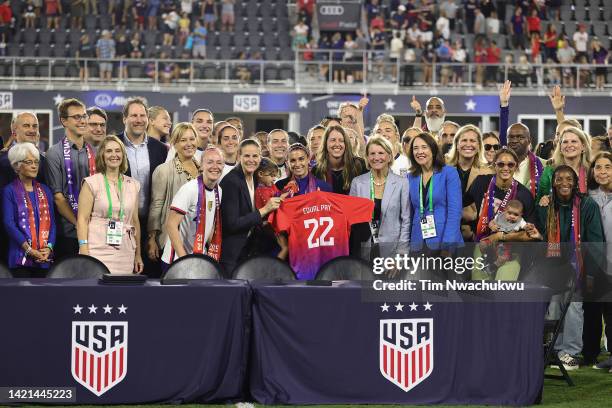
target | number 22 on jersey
[{"x": 315, "y": 224}]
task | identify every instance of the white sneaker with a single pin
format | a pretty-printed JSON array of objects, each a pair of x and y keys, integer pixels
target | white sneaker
[{"x": 570, "y": 363}]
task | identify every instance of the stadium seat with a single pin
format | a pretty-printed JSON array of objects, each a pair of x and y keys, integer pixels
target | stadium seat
[
  {"x": 194, "y": 267},
  {"x": 59, "y": 37},
  {"x": 59, "y": 69},
  {"x": 264, "y": 268},
  {"x": 78, "y": 267},
  {"x": 30, "y": 36},
  {"x": 44, "y": 36},
  {"x": 30, "y": 50},
  {"x": 345, "y": 268},
  {"x": 270, "y": 74}
]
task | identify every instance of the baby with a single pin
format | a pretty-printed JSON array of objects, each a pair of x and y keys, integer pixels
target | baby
[{"x": 509, "y": 220}]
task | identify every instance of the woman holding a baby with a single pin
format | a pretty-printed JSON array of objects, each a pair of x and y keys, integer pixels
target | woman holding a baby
[{"x": 504, "y": 212}]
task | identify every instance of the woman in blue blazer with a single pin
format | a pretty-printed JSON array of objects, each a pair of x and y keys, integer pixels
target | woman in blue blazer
[{"x": 435, "y": 197}]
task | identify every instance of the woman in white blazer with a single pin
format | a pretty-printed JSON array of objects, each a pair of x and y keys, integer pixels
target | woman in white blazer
[{"x": 390, "y": 224}]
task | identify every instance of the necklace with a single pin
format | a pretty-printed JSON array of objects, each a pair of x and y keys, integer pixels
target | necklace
[{"x": 381, "y": 183}]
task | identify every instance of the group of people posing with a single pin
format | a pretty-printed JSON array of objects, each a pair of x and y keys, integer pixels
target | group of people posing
[{"x": 140, "y": 200}]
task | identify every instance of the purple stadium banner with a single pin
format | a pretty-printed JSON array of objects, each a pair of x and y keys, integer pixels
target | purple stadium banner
[{"x": 335, "y": 15}]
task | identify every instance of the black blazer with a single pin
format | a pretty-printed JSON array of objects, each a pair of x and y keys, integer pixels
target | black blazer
[
  {"x": 157, "y": 155},
  {"x": 238, "y": 216}
]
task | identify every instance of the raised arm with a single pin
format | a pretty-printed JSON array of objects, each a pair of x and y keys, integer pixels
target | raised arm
[
  {"x": 504, "y": 111},
  {"x": 418, "y": 111},
  {"x": 557, "y": 100}
]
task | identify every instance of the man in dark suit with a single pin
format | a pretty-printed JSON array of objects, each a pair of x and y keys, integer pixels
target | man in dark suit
[
  {"x": 24, "y": 128},
  {"x": 238, "y": 210},
  {"x": 144, "y": 155}
]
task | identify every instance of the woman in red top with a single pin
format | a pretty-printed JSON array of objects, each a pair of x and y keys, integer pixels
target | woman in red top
[
  {"x": 53, "y": 10},
  {"x": 480, "y": 58},
  {"x": 550, "y": 42},
  {"x": 533, "y": 23}
]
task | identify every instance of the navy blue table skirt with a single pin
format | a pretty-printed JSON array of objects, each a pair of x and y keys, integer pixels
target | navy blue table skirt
[
  {"x": 129, "y": 344},
  {"x": 324, "y": 345}
]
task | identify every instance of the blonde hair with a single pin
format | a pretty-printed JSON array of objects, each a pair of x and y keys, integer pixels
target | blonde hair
[
  {"x": 357, "y": 147},
  {"x": 180, "y": 129},
  {"x": 384, "y": 144},
  {"x": 101, "y": 164},
  {"x": 453, "y": 154},
  {"x": 585, "y": 159},
  {"x": 386, "y": 118}
]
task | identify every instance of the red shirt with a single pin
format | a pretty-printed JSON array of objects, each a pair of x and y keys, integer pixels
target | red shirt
[
  {"x": 307, "y": 5},
  {"x": 5, "y": 14},
  {"x": 377, "y": 22},
  {"x": 533, "y": 24},
  {"x": 493, "y": 55},
  {"x": 265, "y": 193},
  {"x": 318, "y": 225}
]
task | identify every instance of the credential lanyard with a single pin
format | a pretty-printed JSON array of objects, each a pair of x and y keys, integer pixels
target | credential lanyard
[
  {"x": 110, "y": 200},
  {"x": 429, "y": 193}
]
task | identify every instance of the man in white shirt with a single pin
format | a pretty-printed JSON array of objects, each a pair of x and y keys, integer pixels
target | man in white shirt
[{"x": 581, "y": 39}]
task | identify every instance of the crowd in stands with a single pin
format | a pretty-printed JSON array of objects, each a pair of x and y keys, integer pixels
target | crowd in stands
[{"x": 475, "y": 31}]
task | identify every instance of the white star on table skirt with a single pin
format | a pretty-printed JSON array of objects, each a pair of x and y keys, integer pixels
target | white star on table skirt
[
  {"x": 122, "y": 309},
  {"x": 428, "y": 306},
  {"x": 413, "y": 307},
  {"x": 385, "y": 307},
  {"x": 77, "y": 309},
  {"x": 399, "y": 307},
  {"x": 92, "y": 309}
]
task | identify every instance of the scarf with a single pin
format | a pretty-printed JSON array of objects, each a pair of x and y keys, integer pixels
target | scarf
[
  {"x": 73, "y": 189},
  {"x": 293, "y": 186},
  {"x": 214, "y": 247},
  {"x": 554, "y": 237},
  {"x": 535, "y": 172},
  {"x": 487, "y": 212},
  {"x": 27, "y": 225}
]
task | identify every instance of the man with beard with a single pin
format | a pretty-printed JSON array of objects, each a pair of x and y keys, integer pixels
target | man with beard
[
  {"x": 144, "y": 154},
  {"x": 435, "y": 115},
  {"x": 203, "y": 121},
  {"x": 97, "y": 126}
]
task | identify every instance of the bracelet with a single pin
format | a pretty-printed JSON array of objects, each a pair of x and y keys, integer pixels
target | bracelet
[
  {"x": 28, "y": 251},
  {"x": 50, "y": 245},
  {"x": 419, "y": 114},
  {"x": 82, "y": 242}
]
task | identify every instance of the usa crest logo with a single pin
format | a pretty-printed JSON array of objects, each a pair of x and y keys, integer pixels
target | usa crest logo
[
  {"x": 99, "y": 353},
  {"x": 406, "y": 351}
]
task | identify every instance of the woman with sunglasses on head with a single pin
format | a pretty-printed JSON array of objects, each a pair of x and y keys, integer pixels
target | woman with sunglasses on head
[
  {"x": 336, "y": 163},
  {"x": 467, "y": 156},
  {"x": 600, "y": 190},
  {"x": 489, "y": 195},
  {"x": 571, "y": 225},
  {"x": 27, "y": 213},
  {"x": 573, "y": 150},
  {"x": 435, "y": 198},
  {"x": 490, "y": 141}
]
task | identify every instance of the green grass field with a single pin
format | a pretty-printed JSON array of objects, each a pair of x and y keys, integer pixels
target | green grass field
[{"x": 593, "y": 389}]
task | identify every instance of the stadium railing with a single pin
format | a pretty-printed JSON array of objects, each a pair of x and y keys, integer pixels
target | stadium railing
[{"x": 321, "y": 69}]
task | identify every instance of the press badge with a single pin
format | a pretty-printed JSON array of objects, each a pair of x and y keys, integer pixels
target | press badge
[
  {"x": 428, "y": 227},
  {"x": 374, "y": 227},
  {"x": 114, "y": 232}
]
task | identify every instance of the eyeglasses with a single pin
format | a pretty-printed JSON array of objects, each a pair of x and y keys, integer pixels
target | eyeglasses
[
  {"x": 30, "y": 162},
  {"x": 492, "y": 146},
  {"x": 501, "y": 165},
  {"x": 78, "y": 118}
]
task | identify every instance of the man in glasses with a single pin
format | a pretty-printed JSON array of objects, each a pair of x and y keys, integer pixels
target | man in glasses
[
  {"x": 97, "y": 126},
  {"x": 69, "y": 161}
]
